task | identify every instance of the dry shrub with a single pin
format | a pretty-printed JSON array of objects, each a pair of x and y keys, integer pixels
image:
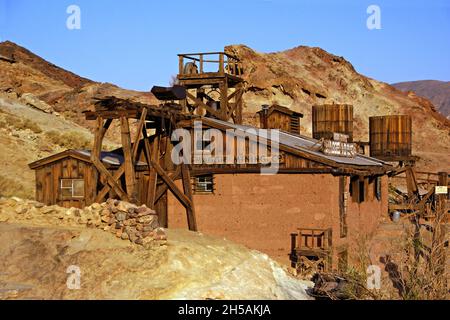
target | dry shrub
[
  {"x": 421, "y": 273},
  {"x": 22, "y": 124},
  {"x": 356, "y": 273},
  {"x": 33, "y": 126},
  {"x": 69, "y": 139}
]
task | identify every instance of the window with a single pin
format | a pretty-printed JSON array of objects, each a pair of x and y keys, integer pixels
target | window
[
  {"x": 377, "y": 188},
  {"x": 72, "y": 188},
  {"x": 358, "y": 188},
  {"x": 204, "y": 184}
]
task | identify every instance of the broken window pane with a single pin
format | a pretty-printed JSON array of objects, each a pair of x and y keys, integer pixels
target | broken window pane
[
  {"x": 66, "y": 183},
  {"x": 78, "y": 188},
  {"x": 204, "y": 184},
  {"x": 66, "y": 192}
]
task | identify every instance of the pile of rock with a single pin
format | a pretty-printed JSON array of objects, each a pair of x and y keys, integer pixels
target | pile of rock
[
  {"x": 130, "y": 222},
  {"x": 127, "y": 221}
]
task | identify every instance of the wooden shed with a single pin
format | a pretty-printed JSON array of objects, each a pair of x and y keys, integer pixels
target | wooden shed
[
  {"x": 279, "y": 117},
  {"x": 67, "y": 178}
]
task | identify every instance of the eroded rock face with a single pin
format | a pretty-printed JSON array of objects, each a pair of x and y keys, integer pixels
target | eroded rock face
[{"x": 38, "y": 245}]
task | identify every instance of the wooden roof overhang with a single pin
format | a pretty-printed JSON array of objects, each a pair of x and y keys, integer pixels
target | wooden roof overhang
[
  {"x": 56, "y": 157},
  {"x": 115, "y": 108},
  {"x": 282, "y": 109},
  {"x": 332, "y": 167},
  {"x": 78, "y": 155}
]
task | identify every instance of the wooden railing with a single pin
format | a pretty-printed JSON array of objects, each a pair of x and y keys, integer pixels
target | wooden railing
[
  {"x": 423, "y": 177},
  {"x": 311, "y": 239},
  {"x": 215, "y": 62}
]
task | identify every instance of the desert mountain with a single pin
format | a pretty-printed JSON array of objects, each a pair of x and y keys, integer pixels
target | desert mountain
[
  {"x": 303, "y": 76},
  {"x": 436, "y": 91},
  {"x": 37, "y": 82}
]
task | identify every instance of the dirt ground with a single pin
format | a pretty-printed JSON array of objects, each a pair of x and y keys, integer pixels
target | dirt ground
[{"x": 37, "y": 249}]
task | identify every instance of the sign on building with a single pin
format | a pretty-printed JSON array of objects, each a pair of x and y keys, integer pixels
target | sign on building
[{"x": 441, "y": 190}]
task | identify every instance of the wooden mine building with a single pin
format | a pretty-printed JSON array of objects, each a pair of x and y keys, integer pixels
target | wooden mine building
[{"x": 317, "y": 206}]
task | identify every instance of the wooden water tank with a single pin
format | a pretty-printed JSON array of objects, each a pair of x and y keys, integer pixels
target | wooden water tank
[
  {"x": 329, "y": 118},
  {"x": 390, "y": 137}
]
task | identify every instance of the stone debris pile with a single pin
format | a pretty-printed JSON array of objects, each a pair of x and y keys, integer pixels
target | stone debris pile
[
  {"x": 127, "y": 221},
  {"x": 130, "y": 222}
]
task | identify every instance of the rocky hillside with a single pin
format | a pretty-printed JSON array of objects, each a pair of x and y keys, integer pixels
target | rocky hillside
[
  {"x": 38, "y": 244},
  {"x": 303, "y": 76},
  {"x": 437, "y": 92},
  {"x": 26, "y": 76},
  {"x": 29, "y": 133}
]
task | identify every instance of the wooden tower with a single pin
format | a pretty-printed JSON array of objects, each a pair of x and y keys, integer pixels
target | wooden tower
[
  {"x": 153, "y": 149},
  {"x": 213, "y": 83}
]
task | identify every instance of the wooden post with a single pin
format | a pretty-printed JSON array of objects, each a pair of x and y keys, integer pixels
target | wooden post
[
  {"x": 180, "y": 65},
  {"x": 100, "y": 131},
  {"x": 201, "y": 63},
  {"x": 184, "y": 200},
  {"x": 130, "y": 177},
  {"x": 224, "y": 106},
  {"x": 221, "y": 63},
  {"x": 411, "y": 182},
  {"x": 190, "y": 211},
  {"x": 238, "y": 100},
  {"x": 438, "y": 249},
  {"x": 293, "y": 241},
  {"x": 153, "y": 176},
  {"x": 300, "y": 242}
]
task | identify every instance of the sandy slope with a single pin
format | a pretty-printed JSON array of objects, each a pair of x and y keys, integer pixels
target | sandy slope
[{"x": 36, "y": 250}]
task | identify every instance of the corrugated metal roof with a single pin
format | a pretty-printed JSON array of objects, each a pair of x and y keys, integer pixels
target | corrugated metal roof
[
  {"x": 307, "y": 144},
  {"x": 108, "y": 157}
]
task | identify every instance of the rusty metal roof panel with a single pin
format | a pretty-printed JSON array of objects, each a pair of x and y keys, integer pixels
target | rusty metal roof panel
[{"x": 310, "y": 145}]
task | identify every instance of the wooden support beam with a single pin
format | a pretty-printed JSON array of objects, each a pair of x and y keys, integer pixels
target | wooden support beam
[
  {"x": 411, "y": 182},
  {"x": 187, "y": 187},
  {"x": 438, "y": 250},
  {"x": 118, "y": 174},
  {"x": 110, "y": 179},
  {"x": 224, "y": 108},
  {"x": 163, "y": 188},
  {"x": 102, "y": 194},
  {"x": 130, "y": 177},
  {"x": 153, "y": 176},
  {"x": 185, "y": 201},
  {"x": 141, "y": 126},
  {"x": 100, "y": 131},
  {"x": 199, "y": 103}
]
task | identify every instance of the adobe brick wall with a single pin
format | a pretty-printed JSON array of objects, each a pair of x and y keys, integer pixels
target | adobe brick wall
[{"x": 262, "y": 211}]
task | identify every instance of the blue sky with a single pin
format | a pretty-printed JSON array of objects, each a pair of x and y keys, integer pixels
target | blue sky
[{"x": 134, "y": 43}]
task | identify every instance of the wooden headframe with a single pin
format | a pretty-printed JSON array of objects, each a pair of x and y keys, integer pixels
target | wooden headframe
[
  {"x": 112, "y": 108},
  {"x": 223, "y": 76}
]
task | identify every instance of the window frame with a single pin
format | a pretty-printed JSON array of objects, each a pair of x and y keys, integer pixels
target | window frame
[
  {"x": 205, "y": 190},
  {"x": 72, "y": 188}
]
